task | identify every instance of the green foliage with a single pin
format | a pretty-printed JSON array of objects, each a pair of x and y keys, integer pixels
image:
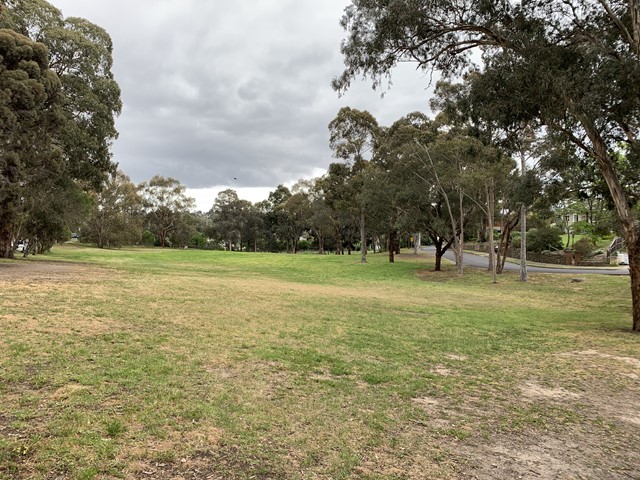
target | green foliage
[
  {"x": 544, "y": 238},
  {"x": 29, "y": 110},
  {"x": 353, "y": 135},
  {"x": 304, "y": 245},
  {"x": 147, "y": 238},
  {"x": 57, "y": 115},
  {"x": 116, "y": 214},
  {"x": 166, "y": 207},
  {"x": 584, "y": 247},
  {"x": 198, "y": 240},
  {"x": 583, "y": 228},
  {"x": 572, "y": 67},
  {"x": 515, "y": 240},
  {"x": 228, "y": 217}
]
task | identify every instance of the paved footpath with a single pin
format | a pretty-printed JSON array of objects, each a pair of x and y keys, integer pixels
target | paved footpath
[{"x": 482, "y": 261}]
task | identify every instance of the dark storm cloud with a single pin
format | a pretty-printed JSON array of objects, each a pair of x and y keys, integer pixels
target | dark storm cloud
[{"x": 216, "y": 90}]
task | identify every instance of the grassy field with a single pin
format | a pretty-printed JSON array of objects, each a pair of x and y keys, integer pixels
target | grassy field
[{"x": 213, "y": 365}]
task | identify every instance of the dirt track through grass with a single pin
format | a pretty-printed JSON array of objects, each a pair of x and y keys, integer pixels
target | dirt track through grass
[{"x": 165, "y": 364}]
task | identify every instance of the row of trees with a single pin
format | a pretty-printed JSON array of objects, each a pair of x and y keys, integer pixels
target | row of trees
[
  {"x": 568, "y": 67},
  {"x": 419, "y": 176}
]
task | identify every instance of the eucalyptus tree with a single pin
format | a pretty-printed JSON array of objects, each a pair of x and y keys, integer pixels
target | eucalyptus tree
[
  {"x": 275, "y": 221},
  {"x": 448, "y": 165},
  {"x": 294, "y": 215},
  {"x": 80, "y": 54},
  {"x": 338, "y": 193},
  {"x": 29, "y": 111},
  {"x": 166, "y": 207},
  {"x": 320, "y": 222},
  {"x": 473, "y": 107},
  {"x": 353, "y": 138},
  {"x": 573, "y": 65},
  {"x": 236, "y": 221},
  {"x": 53, "y": 210},
  {"x": 67, "y": 134},
  {"x": 385, "y": 189},
  {"x": 115, "y": 217}
]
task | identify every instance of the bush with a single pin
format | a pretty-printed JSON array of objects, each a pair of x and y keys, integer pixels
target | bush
[
  {"x": 584, "y": 247},
  {"x": 545, "y": 238},
  {"x": 147, "y": 238},
  {"x": 304, "y": 245},
  {"x": 583, "y": 228},
  {"x": 515, "y": 240},
  {"x": 198, "y": 241}
]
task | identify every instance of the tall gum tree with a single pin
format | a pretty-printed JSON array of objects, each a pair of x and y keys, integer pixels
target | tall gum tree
[
  {"x": 574, "y": 65},
  {"x": 165, "y": 204},
  {"x": 353, "y": 138},
  {"x": 86, "y": 104},
  {"x": 29, "y": 112}
]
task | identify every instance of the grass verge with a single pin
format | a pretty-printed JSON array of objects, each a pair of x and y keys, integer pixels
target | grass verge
[{"x": 164, "y": 364}]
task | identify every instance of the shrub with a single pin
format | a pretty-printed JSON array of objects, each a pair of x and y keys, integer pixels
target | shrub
[
  {"x": 147, "y": 238},
  {"x": 544, "y": 238},
  {"x": 304, "y": 245},
  {"x": 515, "y": 240},
  {"x": 584, "y": 247},
  {"x": 583, "y": 228},
  {"x": 198, "y": 241}
]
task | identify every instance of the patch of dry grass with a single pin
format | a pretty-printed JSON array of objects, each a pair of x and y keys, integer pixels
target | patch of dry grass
[{"x": 165, "y": 364}]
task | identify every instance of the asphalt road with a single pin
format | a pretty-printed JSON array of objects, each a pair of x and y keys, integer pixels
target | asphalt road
[{"x": 481, "y": 261}]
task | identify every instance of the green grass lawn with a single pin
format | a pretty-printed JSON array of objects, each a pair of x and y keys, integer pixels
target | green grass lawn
[
  {"x": 149, "y": 363},
  {"x": 601, "y": 244}
]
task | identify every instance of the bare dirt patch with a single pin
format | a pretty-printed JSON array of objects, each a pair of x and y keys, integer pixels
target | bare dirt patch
[
  {"x": 588, "y": 433},
  {"x": 441, "y": 370},
  {"x": 534, "y": 391},
  {"x": 43, "y": 271},
  {"x": 634, "y": 362},
  {"x": 568, "y": 456},
  {"x": 27, "y": 283}
]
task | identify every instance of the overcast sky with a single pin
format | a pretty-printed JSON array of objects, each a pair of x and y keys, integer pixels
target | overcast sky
[{"x": 223, "y": 94}]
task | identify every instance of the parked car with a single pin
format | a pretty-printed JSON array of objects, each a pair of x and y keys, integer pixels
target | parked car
[
  {"x": 623, "y": 258},
  {"x": 21, "y": 246}
]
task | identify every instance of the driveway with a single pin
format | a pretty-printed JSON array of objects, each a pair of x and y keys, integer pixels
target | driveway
[{"x": 482, "y": 261}]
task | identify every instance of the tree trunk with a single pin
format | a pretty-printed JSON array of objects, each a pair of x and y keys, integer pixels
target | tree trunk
[
  {"x": 523, "y": 228},
  {"x": 438, "y": 266},
  {"x": 417, "y": 240},
  {"x": 6, "y": 241},
  {"x": 460, "y": 240},
  {"x": 492, "y": 252},
  {"x": 523, "y": 244},
  {"x": 363, "y": 240},
  {"x": 439, "y": 254},
  {"x": 634, "y": 270},
  {"x": 630, "y": 231},
  {"x": 505, "y": 241},
  {"x": 390, "y": 244}
]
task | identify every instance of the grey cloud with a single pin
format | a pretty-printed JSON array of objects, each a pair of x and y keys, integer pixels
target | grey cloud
[{"x": 217, "y": 90}]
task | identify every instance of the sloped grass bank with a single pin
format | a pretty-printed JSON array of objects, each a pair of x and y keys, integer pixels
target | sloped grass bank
[{"x": 189, "y": 364}]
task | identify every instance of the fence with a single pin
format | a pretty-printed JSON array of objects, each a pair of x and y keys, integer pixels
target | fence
[{"x": 554, "y": 258}]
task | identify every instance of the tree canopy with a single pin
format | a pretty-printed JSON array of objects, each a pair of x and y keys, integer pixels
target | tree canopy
[
  {"x": 572, "y": 65},
  {"x": 59, "y": 104}
]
